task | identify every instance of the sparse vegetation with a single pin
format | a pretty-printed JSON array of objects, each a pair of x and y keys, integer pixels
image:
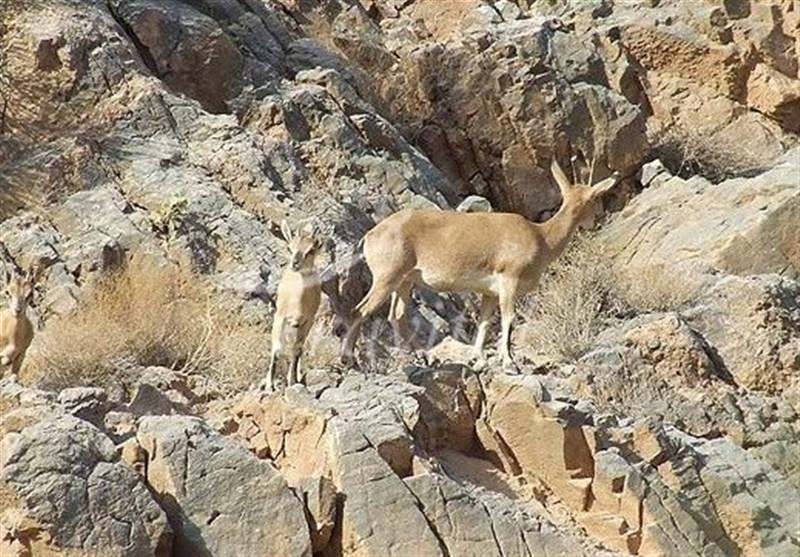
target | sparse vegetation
[
  {"x": 148, "y": 314},
  {"x": 582, "y": 291},
  {"x": 688, "y": 152},
  {"x": 566, "y": 313},
  {"x": 167, "y": 220},
  {"x": 652, "y": 289}
]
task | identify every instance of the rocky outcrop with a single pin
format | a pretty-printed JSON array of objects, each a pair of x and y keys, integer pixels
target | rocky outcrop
[
  {"x": 64, "y": 491},
  {"x": 183, "y": 132},
  {"x": 646, "y": 489},
  {"x": 489, "y": 98},
  {"x": 716, "y": 76},
  {"x": 740, "y": 226},
  {"x": 220, "y": 500},
  {"x": 366, "y": 437}
]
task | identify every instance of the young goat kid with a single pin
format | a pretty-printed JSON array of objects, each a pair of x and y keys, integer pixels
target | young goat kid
[
  {"x": 498, "y": 255},
  {"x": 298, "y": 300},
  {"x": 16, "y": 330}
]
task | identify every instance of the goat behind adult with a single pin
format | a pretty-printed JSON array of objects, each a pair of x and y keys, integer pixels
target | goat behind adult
[
  {"x": 297, "y": 303},
  {"x": 497, "y": 255},
  {"x": 16, "y": 329}
]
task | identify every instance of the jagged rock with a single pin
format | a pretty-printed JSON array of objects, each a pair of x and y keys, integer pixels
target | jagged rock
[
  {"x": 690, "y": 500},
  {"x": 692, "y": 66},
  {"x": 149, "y": 401},
  {"x": 755, "y": 508},
  {"x": 517, "y": 66},
  {"x": 220, "y": 499},
  {"x": 475, "y": 204},
  {"x": 361, "y": 450},
  {"x": 86, "y": 403},
  {"x": 662, "y": 360},
  {"x": 187, "y": 48},
  {"x": 321, "y": 501},
  {"x": 384, "y": 515},
  {"x": 468, "y": 526},
  {"x": 384, "y": 412},
  {"x": 66, "y": 493},
  {"x": 753, "y": 325},
  {"x": 449, "y": 406}
]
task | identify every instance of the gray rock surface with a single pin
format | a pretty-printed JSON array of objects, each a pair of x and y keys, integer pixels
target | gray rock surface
[
  {"x": 64, "y": 491},
  {"x": 220, "y": 499},
  {"x": 740, "y": 226}
]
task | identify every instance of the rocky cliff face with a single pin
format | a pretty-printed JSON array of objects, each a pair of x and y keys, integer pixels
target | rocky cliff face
[{"x": 184, "y": 132}]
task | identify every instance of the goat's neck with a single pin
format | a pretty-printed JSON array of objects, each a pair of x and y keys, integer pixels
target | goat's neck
[
  {"x": 17, "y": 314},
  {"x": 560, "y": 228}
]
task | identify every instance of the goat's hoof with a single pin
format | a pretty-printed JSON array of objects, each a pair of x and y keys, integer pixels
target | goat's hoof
[
  {"x": 265, "y": 385},
  {"x": 510, "y": 367},
  {"x": 348, "y": 361}
]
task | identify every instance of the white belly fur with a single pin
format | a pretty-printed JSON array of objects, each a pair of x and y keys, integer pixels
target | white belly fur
[{"x": 464, "y": 282}]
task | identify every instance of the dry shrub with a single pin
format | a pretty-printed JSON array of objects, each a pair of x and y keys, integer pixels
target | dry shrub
[
  {"x": 716, "y": 157},
  {"x": 570, "y": 307},
  {"x": 582, "y": 292},
  {"x": 653, "y": 288},
  {"x": 148, "y": 314}
]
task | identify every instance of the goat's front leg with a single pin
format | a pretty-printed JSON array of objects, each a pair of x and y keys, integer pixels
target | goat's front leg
[
  {"x": 488, "y": 305},
  {"x": 294, "y": 369},
  {"x": 16, "y": 363},
  {"x": 508, "y": 297}
]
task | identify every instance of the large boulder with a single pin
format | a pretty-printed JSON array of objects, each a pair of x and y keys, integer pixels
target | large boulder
[
  {"x": 65, "y": 492},
  {"x": 220, "y": 499},
  {"x": 692, "y": 228}
]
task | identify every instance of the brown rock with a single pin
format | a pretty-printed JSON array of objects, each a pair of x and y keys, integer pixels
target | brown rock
[{"x": 321, "y": 502}]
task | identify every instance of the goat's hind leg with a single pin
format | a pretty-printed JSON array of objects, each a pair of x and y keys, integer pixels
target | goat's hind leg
[
  {"x": 508, "y": 297},
  {"x": 397, "y": 313},
  {"x": 381, "y": 289},
  {"x": 488, "y": 306}
]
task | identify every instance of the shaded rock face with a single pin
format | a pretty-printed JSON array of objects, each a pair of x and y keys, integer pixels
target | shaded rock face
[{"x": 489, "y": 100}]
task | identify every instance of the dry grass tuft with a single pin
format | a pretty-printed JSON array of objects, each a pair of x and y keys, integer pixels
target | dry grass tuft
[
  {"x": 582, "y": 292},
  {"x": 148, "y": 315},
  {"x": 570, "y": 307},
  {"x": 651, "y": 289}
]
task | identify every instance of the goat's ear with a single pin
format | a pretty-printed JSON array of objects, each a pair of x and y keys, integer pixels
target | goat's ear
[
  {"x": 563, "y": 182},
  {"x": 6, "y": 275},
  {"x": 605, "y": 185},
  {"x": 286, "y": 230}
]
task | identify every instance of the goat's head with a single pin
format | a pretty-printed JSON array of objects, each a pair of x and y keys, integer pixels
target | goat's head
[
  {"x": 19, "y": 289},
  {"x": 581, "y": 199},
  {"x": 304, "y": 246}
]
